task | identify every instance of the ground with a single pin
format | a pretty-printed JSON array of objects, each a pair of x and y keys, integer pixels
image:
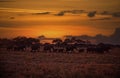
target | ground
[{"x": 59, "y": 65}]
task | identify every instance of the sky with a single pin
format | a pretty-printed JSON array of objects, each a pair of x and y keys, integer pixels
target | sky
[{"x": 57, "y": 18}]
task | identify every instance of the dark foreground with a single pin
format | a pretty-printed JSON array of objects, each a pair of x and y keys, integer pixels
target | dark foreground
[{"x": 59, "y": 65}]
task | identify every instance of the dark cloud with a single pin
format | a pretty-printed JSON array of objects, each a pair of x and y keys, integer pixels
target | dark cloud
[
  {"x": 14, "y": 24},
  {"x": 116, "y": 14},
  {"x": 61, "y": 13},
  {"x": 91, "y": 14},
  {"x": 99, "y": 38},
  {"x": 12, "y": 17},
  {"x": 42, "y": 13},
  {"x": 105, "y": 13},
  {"x": 74, "y": 11},
  {"x": 6, "y": 0},
  {"x": 115, "y": 38},
  {"x": 106, "y": 18}
]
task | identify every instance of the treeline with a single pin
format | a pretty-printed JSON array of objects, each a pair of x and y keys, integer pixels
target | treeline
[
  {"x": 57, "y": 45},
  {"x": 28, "y": 41},
  {"x": 18, "y": 41}
]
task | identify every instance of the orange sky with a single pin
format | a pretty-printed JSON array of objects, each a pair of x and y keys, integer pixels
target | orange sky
[{"x": 19, "y": 18}]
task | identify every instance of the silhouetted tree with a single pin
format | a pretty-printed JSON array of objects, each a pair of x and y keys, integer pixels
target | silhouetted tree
[
  {"x": 20, "y": 40},
  {"x": 67, "y": 41},
  {"x": 5, "y": 42},
  {"x": 79, "y": 41},
  {"x": 25, "y": 41},
  {"x": 57, "y": 41}
]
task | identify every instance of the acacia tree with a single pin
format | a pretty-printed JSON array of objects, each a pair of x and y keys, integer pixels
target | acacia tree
[
  {"x": 67, "y": 41},
  {"x": 31, "y": 41},
  {"x": 57, "y": 41},
  {"x": 20, "y": 40}
]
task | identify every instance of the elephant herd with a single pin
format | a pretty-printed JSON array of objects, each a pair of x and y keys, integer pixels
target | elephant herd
[{"x": 61, "y": 48}]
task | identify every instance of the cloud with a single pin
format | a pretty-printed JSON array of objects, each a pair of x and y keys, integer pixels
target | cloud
[
  {"x": 105, "y": 18},
  {"x": 6, "y": 1},
  {"x": 41, "y": 13},
  {"x": 105, "y": 13},
  {"x": 62, "y": 13},
  {"x": 99, "y": 38},
  {"x": 115, "y": 38},
  {"x": 74, "y": 11},
  {"x": 113, "y": 14},
  {"x": 12, "y": 17},
  {"x": 14, "y": 24},
  {"x": 116, "y": 14},
  {"x": 91, "y": 14}
]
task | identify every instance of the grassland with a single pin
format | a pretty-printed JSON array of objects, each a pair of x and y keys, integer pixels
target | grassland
[{"x": 59, "y": 65}]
